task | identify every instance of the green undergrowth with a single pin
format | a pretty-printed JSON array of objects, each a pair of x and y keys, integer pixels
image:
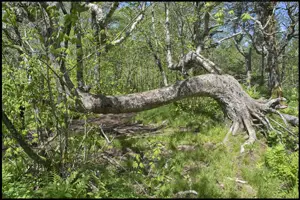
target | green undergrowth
[{"x": 187, "y": 154}]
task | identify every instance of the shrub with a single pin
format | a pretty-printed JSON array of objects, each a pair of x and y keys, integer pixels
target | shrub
[{"x": 283, "y": 165}]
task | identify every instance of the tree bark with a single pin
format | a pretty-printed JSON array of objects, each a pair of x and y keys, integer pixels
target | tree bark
[
  {"x": 248, "y": 67},
  {"x": 155, "y": 52},
  {"x": 262, "y": 77},
  {"x": 168, "y": 40},
  {"x": 236, "y": 103},
  {"x": 26, "y": 147},
  {"x": 79, "y": 54},
  {"x": 291, "y": 119}
]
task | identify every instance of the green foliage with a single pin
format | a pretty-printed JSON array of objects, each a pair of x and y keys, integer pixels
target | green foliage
[
  {"x": 253, "y": 92},
  {"x": 44, "y": 186},
  {"x": 220, "y": 16},
  {"x": 201, "y": 113},
  {"x": 72, "y": 186},
  {"x": 158, "y": 166},
  {"x": 292, "y": 96},
  {"x": 246, "y": 16},
  {"x": 12, "y": 186},
  {"x": 283, "y": 165}
]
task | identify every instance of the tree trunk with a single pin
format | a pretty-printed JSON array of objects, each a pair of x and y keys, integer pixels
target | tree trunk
[
  {"x": 96, "y": 26},
  {"x": 283, "y": 68},
  {"x": 26, "y": 147},
  {"x": 79, "y": 54},
  {"x": 274, "y": 79},
  {"x": 155, "y": 52},
  {"x": 248, "y": 67},
  {"x": 262, "y": 78},
  {"x": 168, "y": 40},
  {"x": 237, "y": 104},
  {"x": 159, "y": 65},
  {"x": 271, "y": 45}
]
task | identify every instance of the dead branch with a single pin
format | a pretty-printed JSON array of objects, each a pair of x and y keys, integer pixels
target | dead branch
[
  {"x": 291, "y": 133},
  {"x": 291, "y": 119},
  {"x": 186, "y": 192},
  {"x": 237, "y": 180},
  {"x": 102, "y": 132}
]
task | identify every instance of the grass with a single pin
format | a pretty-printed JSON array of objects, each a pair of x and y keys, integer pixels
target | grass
[{"x": 157, "y": 167}]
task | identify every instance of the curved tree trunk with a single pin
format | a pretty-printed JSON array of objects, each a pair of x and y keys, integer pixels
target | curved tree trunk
[{"x": 237, "y": 104}]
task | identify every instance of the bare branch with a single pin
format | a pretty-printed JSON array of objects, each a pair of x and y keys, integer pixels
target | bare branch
[
  {"x": 168, "y": 42},
  {"x": 238, "y": 48},
  {"x": 62, "y": 7},
  {"x": 291, "y": 133},
  {"x": 111, "y": 11},
  {"x": 186, "y": 192},
  {"x": 291, "y": 119},
  {"x": 291, "y": 29},
  {"x": 255, "y": 45},
  {"x": 102, "y": 132},
  {"x": 97, "y": 11},
  {"x": 133, "y": 26},
  {"x": 155, "y": 52},
  {"x": 281, "y": 116},
  {"x": 79, "y": 55},
  {"x": 273, "y": 102},
  {"x": 237, "y": 180},
  {"x": 231, "y": 36},
  {"x": 270, "y": 17}
]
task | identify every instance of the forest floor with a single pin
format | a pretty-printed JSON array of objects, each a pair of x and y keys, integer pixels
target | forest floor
[
  {"x": 117, "y": 125},
  {"x": 167, "y": 152},
  {"x": 158, "y": 153},
  {"x": 135, "y": 145}
]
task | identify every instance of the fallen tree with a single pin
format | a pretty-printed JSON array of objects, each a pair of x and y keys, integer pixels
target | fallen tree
[
  {"x": 243, "y": 110},
  {"x": 236, "y": 103}
]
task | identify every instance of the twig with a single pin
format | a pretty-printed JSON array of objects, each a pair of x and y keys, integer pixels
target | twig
[
  {"x": 271, "y": 127},
  {"x": 284, "y": 128},
  {"x": 101, "y": 130},
  {"x": 147, "y": 135},
  {"x": 141, "y": 187},
  {"x": 231, "y": 36},
  {"x": 186, "y": 192},
  {"x": 85, "y": 136},
  {"x": 283, "y": 119},
  {"x": 113, "y": 161},
  {"x": 48, "y": 141},
  {"x": 237, "y": 180}
]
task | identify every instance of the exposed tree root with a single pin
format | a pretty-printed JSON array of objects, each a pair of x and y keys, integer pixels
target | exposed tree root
[
  {"x": 294, "y": 121},
  {"x": 233, "y": 129},
  {"x": 236, "y": 103},
  {"x": 243, "y": 110},
  {"x": 259, "y": 116}
]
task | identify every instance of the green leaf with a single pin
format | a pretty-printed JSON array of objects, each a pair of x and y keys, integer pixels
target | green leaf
[
  {"x": 246, "y": 16},
  {"x": 68, "y": 195},
  {"x": 73, "y": 40},
  {"x": 231, "y": 12},
  {"x": 207, "y": 4},
  {"x": 137, "y": 157},
  {"x": 68, "y": 51},
  {"x": 219, "y": 14},
  {"x": 141, "y": 165},
  {"x": 135, "y": 164}
]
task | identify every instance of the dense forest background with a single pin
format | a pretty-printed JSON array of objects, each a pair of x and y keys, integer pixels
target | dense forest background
[{"x": 51, "y": 52}]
